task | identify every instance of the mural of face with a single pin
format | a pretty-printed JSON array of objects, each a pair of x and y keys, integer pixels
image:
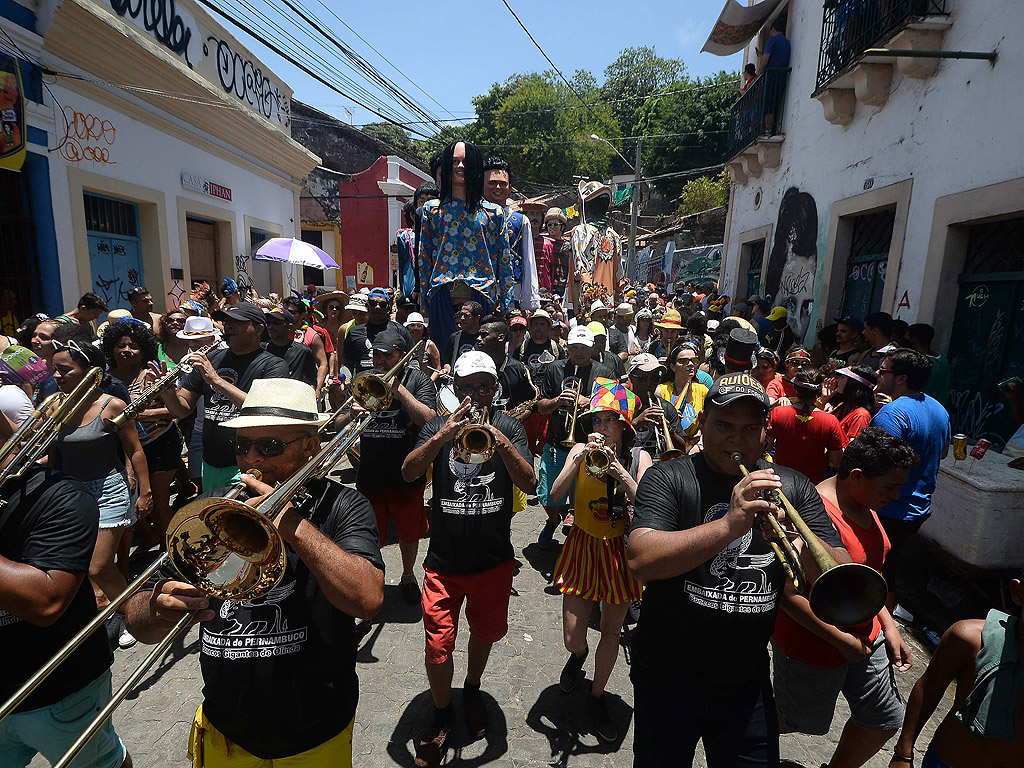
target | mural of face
[{"x": 794, "y": 259}]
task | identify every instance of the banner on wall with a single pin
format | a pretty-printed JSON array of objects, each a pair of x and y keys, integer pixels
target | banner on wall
[{"x": 12, "y": 115}]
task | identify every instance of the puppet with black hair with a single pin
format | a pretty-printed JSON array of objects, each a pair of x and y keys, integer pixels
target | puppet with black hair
[
  {"x": 463, "y": 244},
  {"x": 596, "y": 247}
]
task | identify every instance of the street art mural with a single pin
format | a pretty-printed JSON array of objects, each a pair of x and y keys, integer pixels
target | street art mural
[{"x": 793, "y": 261}]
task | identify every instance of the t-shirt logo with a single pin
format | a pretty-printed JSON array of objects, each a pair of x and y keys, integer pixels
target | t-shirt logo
[
  {"x": 471, "y": 489},
  {"x": 255, "y": 628},
  {"x": 599, "y": 509}
]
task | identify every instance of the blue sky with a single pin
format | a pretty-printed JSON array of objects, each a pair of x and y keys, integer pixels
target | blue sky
[{"x": 455, "y": 49}]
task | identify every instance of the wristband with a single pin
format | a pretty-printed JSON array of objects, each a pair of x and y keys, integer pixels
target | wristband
[{"x": 902, "y": 758}]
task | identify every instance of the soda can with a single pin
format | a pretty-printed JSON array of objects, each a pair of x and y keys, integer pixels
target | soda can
[
  {"x": 980, "y": 448},
  {"x": 959, "y": 447}
]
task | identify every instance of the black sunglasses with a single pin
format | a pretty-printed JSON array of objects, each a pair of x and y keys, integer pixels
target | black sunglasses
[
  {"x": 265, "y": 446},
  {"x": 335, "y": 307},
  {"x": 377, "y": 304}
]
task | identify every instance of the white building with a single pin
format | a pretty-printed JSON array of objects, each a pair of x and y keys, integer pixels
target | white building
[
  {"x": 892, "y": 184},
  {"x": 170, "y": 156}
]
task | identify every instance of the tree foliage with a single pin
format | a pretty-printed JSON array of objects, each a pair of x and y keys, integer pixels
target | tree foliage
[
  {"x": 634, "y": 75},
  {"x": 704, "y": 193}
]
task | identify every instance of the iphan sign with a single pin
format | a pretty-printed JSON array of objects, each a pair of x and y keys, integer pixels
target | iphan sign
[{"x": 205, "y": 186}]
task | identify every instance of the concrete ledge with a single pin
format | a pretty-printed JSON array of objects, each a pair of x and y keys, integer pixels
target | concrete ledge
[{"x": 839, "y": 105}]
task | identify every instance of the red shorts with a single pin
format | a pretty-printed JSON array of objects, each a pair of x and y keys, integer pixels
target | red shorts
[
  {"x": 537, "y": 431},
  {"x": 486, "y": 596},
  {"x": 405, "y": 506}
]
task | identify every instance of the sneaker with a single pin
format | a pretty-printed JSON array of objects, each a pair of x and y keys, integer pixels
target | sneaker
[
  {"x": 476, "y": 711},
  {"x": 603, "y": 726},
  {"x": 126, "y": 639},
  {"x": 547, "y": 532},
  {"x": 430, "y": 751},
  {"x": 571, "y": 671},
  {"x": 567, "y": 523},
  {"x": 411, "y": 590}
]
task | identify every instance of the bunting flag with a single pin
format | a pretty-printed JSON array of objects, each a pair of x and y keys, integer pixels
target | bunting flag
[{"x": 736, "y": 26}]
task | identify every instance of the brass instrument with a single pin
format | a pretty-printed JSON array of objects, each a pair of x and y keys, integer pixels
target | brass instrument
[
  {"x": 475, "y": 444},
  {"x": 523, "y": 410},
  {"x": 152, "y": 392},
  {"x": 597, "y": 460},
  {"x": 32, "y": 439},
  {"x": 668, "y": 452},
  {"x": 570, "y": 416},
  {"x": 373, "y": 391},
  {"x": 844, "y": 594}
]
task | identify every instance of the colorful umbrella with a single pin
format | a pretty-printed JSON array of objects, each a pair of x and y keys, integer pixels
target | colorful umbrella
[{"x": 292, "y": 251}]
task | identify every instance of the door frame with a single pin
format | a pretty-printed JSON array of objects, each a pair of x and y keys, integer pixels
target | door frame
[{"x": 227, "y": 240}]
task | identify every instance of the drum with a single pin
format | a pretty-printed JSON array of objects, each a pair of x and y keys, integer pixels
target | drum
[{"x": 447, "y": 400}]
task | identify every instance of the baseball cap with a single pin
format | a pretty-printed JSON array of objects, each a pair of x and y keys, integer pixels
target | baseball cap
[
  {"x": 243, "y": 312},
  {"x": 541, "y": 314},
  {"x": 598, "y": 306},
  {"x": 624, "y": 309},
  {"x": 389, "y": 340},
  {"x": 752, "y": 300},
  {"x": 280, "y": 312},
  {"x": 777, "y": 313},
  {"x": 475, "y": 361},
  {"x": 854, "y": 322},
  {"x": 581, "y": 335},
  {"x": 518, "y": 320},
  {"x": 379, "y": 293},
  {"x": 597, "y": 329},
  {"x": 647, "y": 363},
  {"x": 735, "y": 386}
]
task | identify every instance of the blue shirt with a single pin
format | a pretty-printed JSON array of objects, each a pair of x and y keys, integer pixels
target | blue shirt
[
  {"x": 777, "y": 49},
  {"x": 924, "y": 423},
  {"x": 705, "y": 378}
]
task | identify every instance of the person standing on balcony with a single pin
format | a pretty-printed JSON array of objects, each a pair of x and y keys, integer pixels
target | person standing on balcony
[{"x": 774, "y": 60}]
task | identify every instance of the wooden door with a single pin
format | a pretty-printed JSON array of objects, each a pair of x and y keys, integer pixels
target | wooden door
[{"x": 202, "y": 251}]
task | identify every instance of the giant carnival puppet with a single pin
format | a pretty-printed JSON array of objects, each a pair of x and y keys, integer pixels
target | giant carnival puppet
[
  {"x": 497, "y": 186},
  {"x": 596, "y": 247}
]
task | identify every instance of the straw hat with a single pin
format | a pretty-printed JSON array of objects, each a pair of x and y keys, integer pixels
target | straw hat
[
  {"x": 112, "y": 317},
  {"x": 555, "y": 214},
  {"x": 278, "y": 402},
  {"x": 671, "y": 319},
  {"x": 323, "y": 299}
]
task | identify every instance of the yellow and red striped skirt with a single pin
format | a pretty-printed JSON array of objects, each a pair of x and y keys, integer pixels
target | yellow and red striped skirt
[{"x": 596, "y": 569}]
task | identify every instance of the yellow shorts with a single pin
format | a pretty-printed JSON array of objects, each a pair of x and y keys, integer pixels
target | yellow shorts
[
  {"x": 209, "y": 748},
  {"x": 518, "y": 499}
]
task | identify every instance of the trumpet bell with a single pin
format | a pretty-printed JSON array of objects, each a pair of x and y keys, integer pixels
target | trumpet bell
[
  {"x": 475, "y": 445},
  {"x": 670, "y": 453},
  {"x": 596, "y": 463},
  {"x": 226, "y": 548},
  {"x": 848, "y": 594}
]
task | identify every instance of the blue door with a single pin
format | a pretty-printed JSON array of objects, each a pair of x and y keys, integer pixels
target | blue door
[{"x": 115, "y": 255}]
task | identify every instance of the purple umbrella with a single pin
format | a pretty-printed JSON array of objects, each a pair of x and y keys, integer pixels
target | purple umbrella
[{"x": 292, "y": 251}]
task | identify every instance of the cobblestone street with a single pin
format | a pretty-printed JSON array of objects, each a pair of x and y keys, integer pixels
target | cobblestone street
[{"x": 531, "y": 722}]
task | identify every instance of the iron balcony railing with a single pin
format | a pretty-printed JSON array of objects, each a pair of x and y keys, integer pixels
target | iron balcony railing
[
  {"x": 759, "y": 111},
  {"x": 850, "y": 27}
]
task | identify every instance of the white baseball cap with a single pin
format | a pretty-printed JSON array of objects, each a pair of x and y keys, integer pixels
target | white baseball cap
[
  {"x": 475, "y": 361},
  {"x": 581, "y": 335},
  {"x": 415, "y": 318}
]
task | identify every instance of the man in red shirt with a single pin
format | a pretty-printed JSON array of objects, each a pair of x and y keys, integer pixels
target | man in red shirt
[
  {"x": 780, "y": 391},
  {"x": 813, "y": 661},
  {"x": 804, "y": 435}
]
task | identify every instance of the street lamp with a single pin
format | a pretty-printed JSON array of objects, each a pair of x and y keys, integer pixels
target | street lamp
[{"x": 634, "y": 208}]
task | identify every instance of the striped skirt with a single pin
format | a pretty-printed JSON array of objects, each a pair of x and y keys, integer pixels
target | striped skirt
[{"x": 595, "y": 569}]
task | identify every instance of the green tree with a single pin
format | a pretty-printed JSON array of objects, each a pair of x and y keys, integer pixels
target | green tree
[
  {"x": 390, "y": 134},
  {"x": 704, "y": 193},
  {"x": 634, "y": 75},
  {"x": 688, "y": 129}
]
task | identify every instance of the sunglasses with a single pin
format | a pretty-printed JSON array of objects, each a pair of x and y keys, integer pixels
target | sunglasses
[
  {"x": 175, "y": 320},
  {"x": 645, "y": 377},
  {"x": 334, "y": 307},
  {"x": 377, "y": 304},
  {"x": 480, "y": 391},
  {"x": 265, "y": 446}
]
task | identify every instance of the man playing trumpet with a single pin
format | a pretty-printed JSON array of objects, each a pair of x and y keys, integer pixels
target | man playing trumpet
[
  {"x": 656, "y": 415},
  {"x": 470, "y": 556},
  {"x": 700, "y": 665}
]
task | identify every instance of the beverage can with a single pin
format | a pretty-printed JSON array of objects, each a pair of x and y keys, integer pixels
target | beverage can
[
  {"x": 959, "y": 447},
  {"x": 980, "y": 448}
]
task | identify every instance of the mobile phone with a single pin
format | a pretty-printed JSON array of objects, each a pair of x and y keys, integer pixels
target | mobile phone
[{"x": 1009, "y": 383}]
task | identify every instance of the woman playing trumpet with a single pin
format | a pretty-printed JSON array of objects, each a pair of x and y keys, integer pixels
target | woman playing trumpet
[{"x": 603, "y": 475}]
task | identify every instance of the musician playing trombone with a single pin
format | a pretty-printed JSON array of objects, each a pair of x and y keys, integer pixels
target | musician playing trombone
[
  {"x": 477, "y": 459},
  {"x": 279, "y": 671},
  {"x": 645, "y": 374},
  {"x": 602, "y": 475},
  {"x": 712, "y": 587}
]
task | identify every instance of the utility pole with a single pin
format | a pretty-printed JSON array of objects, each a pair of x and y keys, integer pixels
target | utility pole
[{"x": 634, "y": 213}]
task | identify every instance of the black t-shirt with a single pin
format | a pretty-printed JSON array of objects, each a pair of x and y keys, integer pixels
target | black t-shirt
[
  {"x": 279, "y": 671},
  {"x": 562, "y": 375},
  {"x": 358, "y": 351},
  {"x": 390, "y": 437},
  {"x": 617, "y": 340},
  {"x": 651, "y": 437},
  {"x": 529, "y": 352},
  {"x": 299, "y": 359},
  {"x": 712, "y": 624},
  {"x": 50, "y": 522},
  {"x": 513, "y": 386},
  {"x": 458, "y": 342},
  {"x": 241, "y": 371},
  {"x": 614, "y": 363},
  {"x": 778, "y": 341},
  {"x": 471, "y": 509}
]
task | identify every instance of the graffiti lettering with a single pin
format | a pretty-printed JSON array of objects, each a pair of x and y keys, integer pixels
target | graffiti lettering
[
  {"x": 242, "y": 266},
  {"x": 86, "y": 136},
  {"x": 247, "y": 81},
  {"x": 863, "y": 271},
  {"x": 977, "y": 297},
  {"x": 176, "y": 293},
  {"x": 797, "y": 283},
  {"x": 105, "y": 287},
  {"x": 102, "y": 247},
  {"x": 905, "y": 301},
  {"x": 133, "y": 274},
  {"x": 995, "y": 339},
  {"x": 161, "y": 18},
  {"x": 971, "y": 414}
]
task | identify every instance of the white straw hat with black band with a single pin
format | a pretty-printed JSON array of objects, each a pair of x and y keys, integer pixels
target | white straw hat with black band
[{"x": 278, "y": 403}]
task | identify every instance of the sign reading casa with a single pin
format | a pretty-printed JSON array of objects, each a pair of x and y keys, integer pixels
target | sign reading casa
[{"x": 205, "y": 186}]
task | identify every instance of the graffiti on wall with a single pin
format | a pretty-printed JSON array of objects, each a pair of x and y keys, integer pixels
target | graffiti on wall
[
  {"x": 87, "y": 137},
  {"x": 793, "y": 261},
  {"x": 244, "y": 78},
  {"x": 242, "y": 268},
  {"x": 162, "y": 19}
]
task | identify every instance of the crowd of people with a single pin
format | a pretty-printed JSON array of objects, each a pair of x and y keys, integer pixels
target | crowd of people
[{"x": 632, "y": 414}]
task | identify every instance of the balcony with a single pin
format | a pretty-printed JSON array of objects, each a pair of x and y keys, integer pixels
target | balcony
[
  {"x": 851, "y": 27},
  {"x": 756, "y": 126}
]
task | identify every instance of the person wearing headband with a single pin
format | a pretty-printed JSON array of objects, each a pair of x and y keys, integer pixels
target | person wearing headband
[{"x": 850, "y": 396}]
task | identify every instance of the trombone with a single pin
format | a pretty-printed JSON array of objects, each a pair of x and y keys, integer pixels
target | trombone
[
  {"x": 373, "y": 391},
  {"x": 32, "y": 439},
  {"x": 663, "y": 437},
  {"x": 474, "y": 444},
  {"x": 150, "y": 393},
  {"x": 844, "y": 594}
]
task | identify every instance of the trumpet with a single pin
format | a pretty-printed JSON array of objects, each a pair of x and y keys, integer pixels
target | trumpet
[
  {"x": 844, "y": 594},
  {"x": 474, "y": 444},
  {"x": 597, "y": 459},
  {"x": 668, "y": 452},
  {"x": 32, "y": 439},
  {"x": 152, "y": 392},
  {"x": 570, "y": 416}
]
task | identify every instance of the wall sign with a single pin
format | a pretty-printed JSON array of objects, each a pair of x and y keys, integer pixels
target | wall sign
[{"x": 205, "y": 186}]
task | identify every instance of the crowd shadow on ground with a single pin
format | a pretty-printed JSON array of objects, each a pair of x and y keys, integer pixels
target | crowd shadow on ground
[
  {"x": 177, "y": 651},
  {"x": 543, "y": 562},
  {"x": 462, "y": 750},
  {"x": 563, "y": 719},
  {"x": 394, "y": 611}
]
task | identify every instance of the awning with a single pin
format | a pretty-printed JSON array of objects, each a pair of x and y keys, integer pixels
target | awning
[{"x": 736, "y": 26}]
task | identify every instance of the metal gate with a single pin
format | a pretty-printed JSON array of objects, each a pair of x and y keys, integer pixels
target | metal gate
[
  {"x": 866, "y": 267},
  {"x": 754, "y": 269},
  {"x": 115, "y": 254},
  {"x": 18, "y": 271}
]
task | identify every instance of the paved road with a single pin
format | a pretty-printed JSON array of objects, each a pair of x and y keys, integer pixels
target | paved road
[{"x": 532, "y": 722}]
